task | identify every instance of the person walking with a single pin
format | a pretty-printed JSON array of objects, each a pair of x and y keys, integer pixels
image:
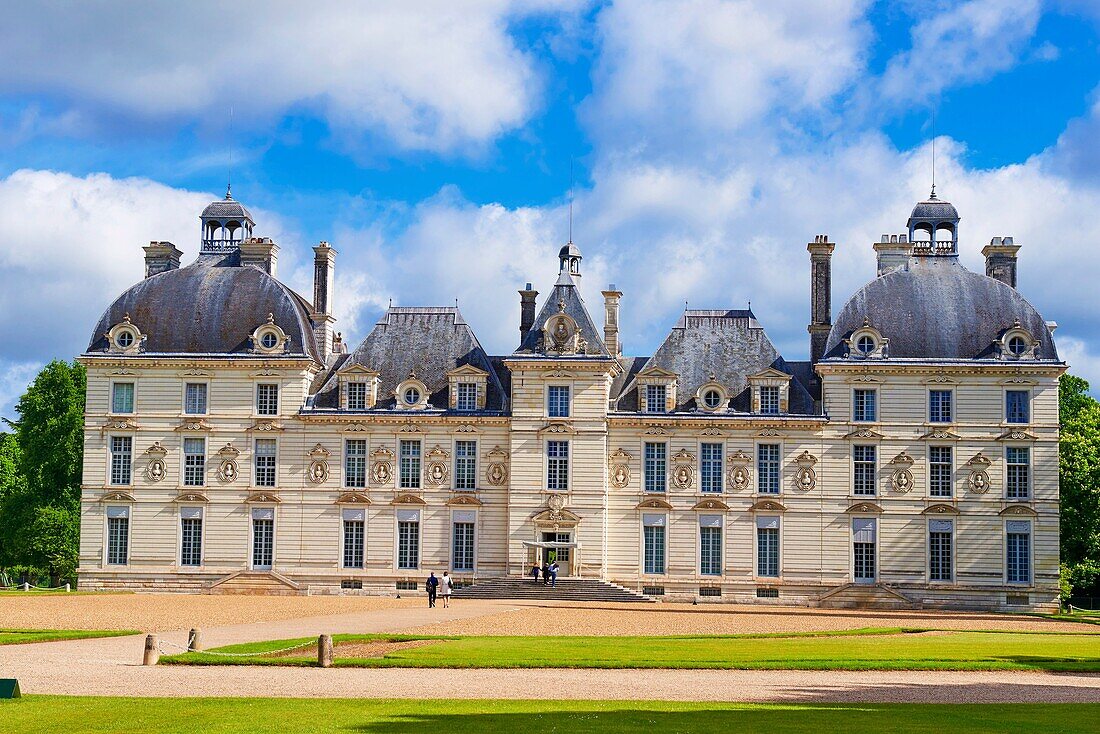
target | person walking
[
  {"x": 535, "y": 571},
  {"x": 446, "y": 586},
  {"x": 432, "y": 585},
  {"x": 554, "y": 573}
]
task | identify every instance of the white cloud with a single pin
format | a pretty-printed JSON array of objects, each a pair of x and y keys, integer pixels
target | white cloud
[
  {"x": 1083, "y": 359},
  {"x": 966, "y": 42},
  {"x": 14, "y": 378},
  {"x": 435, "y": 75}
]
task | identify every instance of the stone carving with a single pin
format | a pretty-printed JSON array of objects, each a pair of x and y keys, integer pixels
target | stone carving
[
  {"x": 978, "y": 480},
  {"x": 738, "y": 474},
  {"x": 381, "y": 468},
  {"x": 228, "y": 471},
  {"x": 437, "y": 467},
  {"x": 683, "y": 471},
  {"x": 1016, "y": 434},
  {"x": 656, "y": 431},
  {"x": 619, "y": 468},
  {"x": 805, "y": 478},
  {"x": 193, "y": 424},
  {"x": 318, "y": 466},
  {"x": 497, "y": 473},
  {"x": 155, "y": 469},
  {"x": 555, "y": 503},
  {"x": 901, "y": 477}
]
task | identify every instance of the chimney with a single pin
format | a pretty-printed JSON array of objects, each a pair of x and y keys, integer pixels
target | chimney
[
  {"x": 821, "y": 288},
  {"x": 324, "y": 273},
  {"x": 527, "y": 298},
  {"x": 260, "y": 252},
  {"x": 611, "y": 320},
  {"x": 1000, "y": 260},
  {"x": 161, "y": 257},
  {"x": 893, "y": 253}
]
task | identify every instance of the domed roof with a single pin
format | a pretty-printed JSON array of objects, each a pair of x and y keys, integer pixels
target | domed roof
[
  {"x": 934, "y": 209},
  {"x": 208, "y": 308},
  {"x": 569, "y": 250},
  {"x": 937, "y": 309},
  {"x": 227, "y": 208}
]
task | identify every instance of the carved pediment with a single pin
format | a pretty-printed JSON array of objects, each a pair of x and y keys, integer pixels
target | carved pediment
[
  {"x": 1016, "y": 434},
  {"x": 557, "y": 427},
  {"x": 191, "y": 496},
  {"x": 266, "y": 426},
  {"x": 739, "y": 457},
  {"x": 683, "y": 456},
  {"x": 940, "y": 508},
  {"x": 557, "y": 517},
  {"x": 711, "y": 504},
  {"x": 657, "y": 372},
  {"x": 358, "y": 370},
  {"x": 865, "y": 433},
  {"x": 229, "y": 451},
  {"x": 156, "y": 450},
  {"x": 353, "y": 498},
  {"x": 655, "y": 430},
  {"x": 116, "y": 495},
  {"x": 769, "y": 373},
  {"x": 466, "y": 428},
  {"x": 619, "y": 455},
  {"x": 464, "y": 500},
  {"x": 381, "y": 454},
  {"x": 319, "y": 452},
  {"x": 356, "y": 428},
  {"x": 408, "y": 498},
  {"x": 940, "y": 434},
  {"x": 768, "y": 506},
  {"x": 438, "y": 454},
  {"x": 653, "y": 503},
  {"x": 806, "y": 459},
  {"x": 1018, "y": 511},
  {"x": 979, "y": 461},
  {"x": 466, "y": 370},
  {"x": 939, "y": 379},
  {"x": 769, "y": 433},
  {"x": 902, "y": 461},
  {"x": 712, "y": 431},
  {"x": 409, "y": 428},
  {"x": 860, "y": 508},
  {"x": 263, "y": 497},
  {"x": 120, "y": 424}
]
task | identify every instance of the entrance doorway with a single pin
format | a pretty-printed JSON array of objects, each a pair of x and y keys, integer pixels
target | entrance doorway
[
  {"x": 864, "y": 550},
  {"x": 555, "y": 547}
]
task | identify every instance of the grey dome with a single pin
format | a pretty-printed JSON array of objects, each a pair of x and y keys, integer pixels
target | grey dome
[
  {"x": 937, "y": 309},
  {"x": 227, "y": 208},
  {"x": 208, "y": 308},
  {"x": 934, "y": 209},
  {"x": 569, "y": 250}
]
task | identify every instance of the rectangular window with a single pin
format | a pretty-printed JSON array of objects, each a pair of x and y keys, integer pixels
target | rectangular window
[
  {"x": 122, "y": 397},
  {"x": 863, "y": 406},
  {"x": 190, "y": 536},
  {"x": 710, "y": 545},
  {"x": 118, "y": 536},
  {"x": 265, "y": 462},
  {"x": 408, "y": 539},
  {"x": 939, "y": 549},
  {"x": 1018, "y": 551},
  {"x": 194, "y": 462},
  {"x": 940, "y": 467},
  {"x": 462, "y": 547},
  {"x": 769, "y": 400},
  {"x": 194, "y": 398},
  {"x": 767, "y": 546},
  {"x": 863, "y": 470},
  {"x": 1017, "y": 406},
  {"x": 410, "y": 465},
  {"x": 557, "y": 401},
  {"x": 1018, "y": 486},
  {"x": 656, "y": 466},
  {"x": 357, "y": 396},
  {"x": 355, "y": 534},
  {"x": 557, "y": 466},
  {"x": 122, "y": 459},
  {"x": 864, "y": 550},
  {"x": 710, "y": 467},
  {"x": 653, "y": 541},
  {"x": 466, "y": 465},
  {"x": 263, "y": 538},
  {"x": 656, "y": 399},
  {"x": 355, "y": 463},
  {"x": 767, "y": 468},
  {"x": 467, "y": 396},
  {"x": 267, "y": 399},
  {"x": 941, "y": 406}
]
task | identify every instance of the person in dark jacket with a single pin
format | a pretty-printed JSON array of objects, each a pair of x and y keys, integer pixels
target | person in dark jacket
[
  {"x": 535, "y": 571},
  {"x": 432, "y": 585}
]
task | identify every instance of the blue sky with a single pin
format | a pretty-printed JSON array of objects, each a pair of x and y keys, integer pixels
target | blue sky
[{"x": 432, "y": 145}]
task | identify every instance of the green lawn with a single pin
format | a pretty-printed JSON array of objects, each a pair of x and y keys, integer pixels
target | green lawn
[
  {"x": 19, "y": 637},
  {"x": 34, "y": 714},
  {"x": 869, "y": 649}
]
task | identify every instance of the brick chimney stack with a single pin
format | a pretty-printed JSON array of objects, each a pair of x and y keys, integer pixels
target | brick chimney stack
[
  {"x": 161, "y": 257},
  {"x": 1000, "y": 260},
  {"x": 611, "y": 320},
  {"x": 260, "y": 252},
  {"x": 893, "y": 253},
  {"x": 821, "y": 288},
  {"x": 324, "y": 275},
  {"x": 527, "y": 298}
]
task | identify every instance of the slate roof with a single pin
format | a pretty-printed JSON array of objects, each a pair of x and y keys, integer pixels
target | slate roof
[
  {"x": 227, "y": 208},
  {"x": 934, "y": 209},
  {"x": 937, "y": 309},
  {"x": 731, "y": 346},
  {"x": 427, "y": 341},
  {"x": 565, "y": 296},
  {"x": 209, "y": 307}
]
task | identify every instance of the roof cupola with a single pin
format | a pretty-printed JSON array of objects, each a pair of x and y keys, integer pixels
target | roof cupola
[
  {"x": 570, "y": 258},
  {"x": 937, "y": 223},
  {"x": 225, "y": 225}
]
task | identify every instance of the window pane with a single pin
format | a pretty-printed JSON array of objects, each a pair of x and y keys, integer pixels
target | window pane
[
  {"x": 122, "y": 450},
  {"x": 939, "y": 471},
  {"x": 354, "y": 533},
  {"x": 265, "y": 461},
  {"x": 1017, "y": 406},
  {"x": 767, "y": 468},
  {"x": 1018, "y": 560},
  {"x": 465, "y": 464},
  {"x": 939, "y": 555},
  {"x": 656, "y": 398},
  {"x": 863, "y": 470},
  {"x": 355, "y": 463},
  {"x": 191, "y": 541},
  {"x": 263, "y": 542},
  {"x": 408, "y": 545},
  {"x": 710, "y": 551},
  {"x": 194, "y": 462},
  {"x": 463, "y": 546},
  {"x": 118, "y": 540},
  {"x": 767, "y": 551},
  {"x": 194, "y": 398},
  {"x": 122, "y": 397},
  {"x": 410, "y": 465},
  {"x": 769, "y": 400},
  {"x": 654, "y": 551},
  {"x": 557, "y": 465},
  {"x": 940, "y": 406},
  {"x": 467, "y": 396},
  {"x": 557, "y": 398},
  {"x": 357, "y": 396},
  {"x": 267, "y": 399},
  {"x": 710, "y": 467},
  {"x": 1019, "y": 473},
  {"x": 863, "y": 405},
  {"x": 656, "y": 466}
]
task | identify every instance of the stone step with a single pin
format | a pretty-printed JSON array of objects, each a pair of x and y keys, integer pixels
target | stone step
[
  {"x": 864, "y": 596},
  {"x": 566, "y": 589}
]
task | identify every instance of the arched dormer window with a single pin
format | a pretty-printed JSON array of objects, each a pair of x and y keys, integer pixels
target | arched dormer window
[
  {"x": 867, "y": 342},
  {"x": 1017, "y": 343},
  {"x": 412, "y": 394},
  {"x": 712, "y": 396},
  {"x": 269, "y": 338},
  {"x": 125, "y": 338}
]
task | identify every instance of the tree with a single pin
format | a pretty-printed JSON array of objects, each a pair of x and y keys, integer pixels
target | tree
[
  {"x": 11, "y": 485},
  {"x": 1079, "y": 470}
]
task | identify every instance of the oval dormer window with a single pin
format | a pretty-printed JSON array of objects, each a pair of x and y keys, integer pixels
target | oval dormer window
[
  {"x": 125, "y": 339},
  {"x": 866, "y": 344},
  {"x": 712, "y": 399},
  {"x": 1017, "y": 345},
  {"x": 269, "y": 340},
  {"x": 412, "y": 396}
]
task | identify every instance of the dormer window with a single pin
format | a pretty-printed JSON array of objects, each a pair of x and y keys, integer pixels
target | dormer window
[
  {"x": 867, "y": 342},
  {"x": 712, "y": 396},
  {"x": 657, "y": 390},
  {"x": 269, "y": 338},
  {"x": 412, "y": 394},
  {"x": 466, "y": 399},
  {"x": 712, "y": 399},
  {"x": 769, "y": 399},
  {"x": 467, "y": 387},
  {"x": 656, "y": 399},
  {"x": 1017, "y": 343},
  {"x": 357, "y": 395},
  {"x": 125, "y": 337},
  {"x": 771, "y": 391},
  {"x": 358, "y": 387}
]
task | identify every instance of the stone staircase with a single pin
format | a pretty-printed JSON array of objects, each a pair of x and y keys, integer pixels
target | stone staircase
[
  {"x": 567, "y": 589},
  {"x": 259, "y": 583},
  {"x": 864, "y": 596}
]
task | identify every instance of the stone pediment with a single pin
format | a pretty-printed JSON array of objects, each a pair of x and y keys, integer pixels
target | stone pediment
[
  {"x": 266, "y": 426},
  {"x": 860, "y": 508},
  {"x": 768, "y": 506},
  {"x": 711, "y": 504},
  {"x": 466, "y": 370},
  {"x": 120, "y": 424},
  {"x": 867, "y": 433},
  {"x": 558, "y": 427},
  {"x": 263, "y": 497},
  {"x": 1018, "y": 511},
  {"x": 191, "y": 496},
  {"x": 1016, "y": 434},
  {"x": 353, "y": 498},
  {"x": 464, "y": 500},
  {"x": 940, "y": 434},
  {"x": 658, "y": 372},
  {"x": 557, "y": 517},
  {"x": 653, "y": 503},
  {"x": 357, "y": 369},
  {"x": 940, "y": 508},
  {"x": 116, "y": 496},
  {"x": 408, "y": 498}
]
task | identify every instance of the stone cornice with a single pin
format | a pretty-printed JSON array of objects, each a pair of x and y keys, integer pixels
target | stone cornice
[
  {"x": 194, "y": 361},
  {"x": 939, "y": 368},
  {"x": 403, "y": 418},
  {"x": 745, "y": 422}
]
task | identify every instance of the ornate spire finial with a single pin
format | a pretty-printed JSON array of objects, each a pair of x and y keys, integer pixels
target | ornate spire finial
[{"x": 561, "y": 305}]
